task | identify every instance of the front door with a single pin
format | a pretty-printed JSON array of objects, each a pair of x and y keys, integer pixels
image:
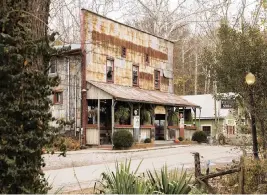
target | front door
[{"x": 159, "y": 126}]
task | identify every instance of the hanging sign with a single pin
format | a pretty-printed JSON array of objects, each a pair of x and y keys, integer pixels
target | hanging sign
[
  {"x": 227, "y": 103},
  {"x": 136, "y": 121},
  {"x": 160, "y": 110}
]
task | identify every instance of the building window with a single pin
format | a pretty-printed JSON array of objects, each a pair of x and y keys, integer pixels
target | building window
[
  {"x": 135, "y": 75},
  {"x": 157, "y": 79},
  {"x": 230, "y": 130},
  {"x": 146, "y": 58},
  {"x": 53, "y": 66},
  {"x": 123, "y": 52},
  {"x": 207, "y": 130},
  {"x": 110, "y": 70},
  {"x": 58, "y": 97}
]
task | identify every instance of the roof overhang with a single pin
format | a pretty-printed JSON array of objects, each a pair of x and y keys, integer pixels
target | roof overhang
[{"x": 135, "y": 94}]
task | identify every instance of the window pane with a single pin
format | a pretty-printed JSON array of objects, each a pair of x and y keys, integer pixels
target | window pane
[
  {"x": 109, "y": 63},
  {"x": 53, "y": 66},
  {"x": 135, "y": 75},
  {"x": 110, "y": 70}
]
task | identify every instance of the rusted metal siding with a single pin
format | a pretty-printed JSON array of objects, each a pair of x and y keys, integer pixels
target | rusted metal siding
[
  {"x": 63, "y": 111},
  {"x": 104, "y": 38}
]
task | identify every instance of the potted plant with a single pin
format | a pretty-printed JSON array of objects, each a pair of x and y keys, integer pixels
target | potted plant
[
  {"x": 172, "y": 119},
  {"x": 122, "y": 114},
  {"x": 146, "y": 117}
]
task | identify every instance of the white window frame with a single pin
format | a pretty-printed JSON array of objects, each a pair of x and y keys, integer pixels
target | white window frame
[
  {"x": 55, "y": 66},
  {"x": 207, "y": 125}
]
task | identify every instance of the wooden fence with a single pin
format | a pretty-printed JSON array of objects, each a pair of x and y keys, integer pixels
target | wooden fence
[{"x": 204, "y": 179}]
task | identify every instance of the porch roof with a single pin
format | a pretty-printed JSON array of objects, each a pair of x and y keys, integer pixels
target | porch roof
[{"x": 135, "y": 94}]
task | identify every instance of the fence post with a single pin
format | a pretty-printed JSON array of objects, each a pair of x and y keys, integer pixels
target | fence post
[
  {"x": 197, "y": 165},
  {"x": 241, "y": 185}
]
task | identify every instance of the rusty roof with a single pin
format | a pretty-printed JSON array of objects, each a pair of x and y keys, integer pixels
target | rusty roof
[{"x": 135, "y": 94}]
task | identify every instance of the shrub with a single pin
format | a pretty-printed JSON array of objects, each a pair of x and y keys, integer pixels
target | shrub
[
  {"x": 122, "y": 139},
  {"x": 199, "y": 136},
  {"x": 147, "y": 140},
  {"x": 221, "y": 139},
  {"x": 169, "y": 182},
  {"x": 123, "y": 181},
  {"x": 180, "y": 139}
]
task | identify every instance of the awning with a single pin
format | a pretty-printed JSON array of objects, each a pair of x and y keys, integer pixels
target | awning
[{"x": 135, "y": 94}]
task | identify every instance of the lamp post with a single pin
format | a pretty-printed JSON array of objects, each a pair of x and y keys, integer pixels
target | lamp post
[{"x": 250, "y": 80}]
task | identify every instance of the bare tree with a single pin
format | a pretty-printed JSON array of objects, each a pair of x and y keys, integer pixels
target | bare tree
[{"x": 65, "y": 15}]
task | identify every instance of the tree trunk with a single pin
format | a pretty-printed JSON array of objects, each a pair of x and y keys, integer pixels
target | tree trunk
[
  {"x": 196, "y": 72},
  {"x": 263, "y": 138}
]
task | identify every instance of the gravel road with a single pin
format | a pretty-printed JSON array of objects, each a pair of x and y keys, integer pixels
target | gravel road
[{"x": 86, "y": 166}]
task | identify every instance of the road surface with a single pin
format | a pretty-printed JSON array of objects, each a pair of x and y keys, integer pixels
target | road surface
[{"x": 83, "y": 168}]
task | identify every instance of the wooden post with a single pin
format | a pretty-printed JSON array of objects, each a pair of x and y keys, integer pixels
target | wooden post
[
  {"x": 197, "y": 165},
  {"x": 98, "y": 120},
  {"x": 195, "y": 116},
  {"x": 112, "y": 117},
  {"x": 241, "y": 185},
  {"x": 152, "y": 131},
  {"x": 131, "y": 108},
  {"x": 166, "y": 123}
]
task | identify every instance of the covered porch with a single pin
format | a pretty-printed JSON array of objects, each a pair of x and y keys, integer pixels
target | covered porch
[{"x": 146, "y": 114}]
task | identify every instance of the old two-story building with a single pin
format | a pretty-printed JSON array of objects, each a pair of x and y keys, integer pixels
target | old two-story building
[{"x": 126, "y": 82}]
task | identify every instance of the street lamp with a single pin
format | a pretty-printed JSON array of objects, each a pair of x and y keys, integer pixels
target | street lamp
[{"x": 250, "y": 80}]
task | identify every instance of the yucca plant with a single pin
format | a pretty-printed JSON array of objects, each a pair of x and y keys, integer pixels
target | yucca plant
[
  {"x": 165, "y": 182},
  {"x": 124, "y": 181}
]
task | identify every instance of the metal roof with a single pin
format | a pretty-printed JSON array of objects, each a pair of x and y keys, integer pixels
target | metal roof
[
  {"x": 135, "y": 94},
  {"x": 207, "y": 104}
]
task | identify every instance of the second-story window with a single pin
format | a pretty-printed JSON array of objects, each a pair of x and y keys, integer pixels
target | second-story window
[
  {"x": 110, "y": 70},
  {"x": 135, "y": 75},
  {"x": 146, "y": 58},
  {"x": 157, "y": 79},
  {"x": 123, "y": 52},
  {"x": 58, "y": 97},
  {"x": 53, "y": 66}
]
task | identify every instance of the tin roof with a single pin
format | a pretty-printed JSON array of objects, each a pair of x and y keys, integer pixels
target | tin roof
[
  {"x": 135, "y": 94},
  {"x": 207, "y": 103}
]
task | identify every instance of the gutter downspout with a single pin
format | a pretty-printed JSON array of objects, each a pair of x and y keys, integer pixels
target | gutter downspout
[
  {"x": 75, "y": 105},
  {"x": 68, "y": 105}
]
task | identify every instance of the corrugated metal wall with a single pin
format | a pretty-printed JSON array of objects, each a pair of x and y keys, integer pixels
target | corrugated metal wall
[{"x": 105, "y": 38}]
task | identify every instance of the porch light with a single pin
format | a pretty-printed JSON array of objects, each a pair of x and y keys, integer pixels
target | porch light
[
  {"x": 250, "y": 78},
  {"x": 84, "y": 90}
]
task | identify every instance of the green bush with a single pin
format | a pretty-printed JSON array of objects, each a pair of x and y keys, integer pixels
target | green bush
[
  {"x": 169, "y": 182},
  {"x": 122, "y": 139},
  {"x": 180, "y": 139},
  {"x": 125, "y": 181},
  {"x": 199, "y": 136},
  {"x": 147, "y": 140}
]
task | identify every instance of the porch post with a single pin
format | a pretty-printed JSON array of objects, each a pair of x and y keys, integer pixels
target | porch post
[
  {"x": 195, "y": 116},
  {"x": 166, "y": 123},
  {"x": 98, "y": 120},
  {"x": 199, "y": 119},
  {"x": 152, "y": 131},
  {"x": 140, "y": 129},
  {"x": 131, "y": 108},
  {"x": 112, "y": 117}
]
